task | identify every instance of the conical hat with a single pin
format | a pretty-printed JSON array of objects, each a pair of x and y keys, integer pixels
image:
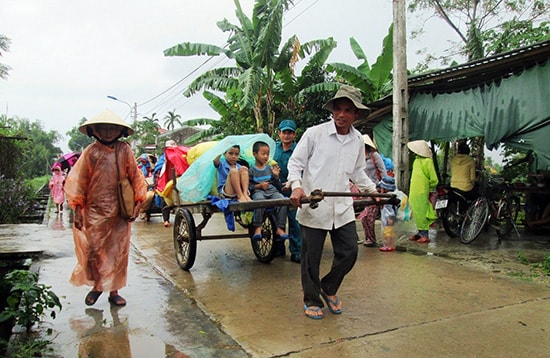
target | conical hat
[
  {"x": 420, "y": 147},
  {"x": 354, "y": 95},
  {"x": 369, "y": 141},
  {"x": 106, "y": 117}
]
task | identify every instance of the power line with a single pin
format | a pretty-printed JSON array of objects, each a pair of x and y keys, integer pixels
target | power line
[
  {"x": 177, "y": 96},
  {"x": 306, "y": 9},
  {"x": 180, "y": 81}
]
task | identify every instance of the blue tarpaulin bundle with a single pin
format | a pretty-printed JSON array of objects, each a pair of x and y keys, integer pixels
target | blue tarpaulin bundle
[{"x": 197, "y": 181}]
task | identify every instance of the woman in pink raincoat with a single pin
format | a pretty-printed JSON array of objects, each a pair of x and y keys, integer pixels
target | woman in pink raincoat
[
  {"x": 101, "y": 234},
  {"x": 56, "y": 188}
]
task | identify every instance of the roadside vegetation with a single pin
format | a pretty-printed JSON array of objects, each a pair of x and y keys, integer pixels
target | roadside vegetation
[
  {"x": 26, "y": 305},
  {"x": 28, "y": 152},
  {"x": 539, "y": 268}
]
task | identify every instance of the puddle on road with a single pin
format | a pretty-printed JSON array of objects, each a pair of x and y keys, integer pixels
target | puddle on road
[
  {"x": 159, "y": 321},
  {"x": 108, "y": 336}
]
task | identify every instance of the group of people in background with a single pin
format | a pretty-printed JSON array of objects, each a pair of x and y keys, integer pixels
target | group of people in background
[{"x": 152, "y": 169}]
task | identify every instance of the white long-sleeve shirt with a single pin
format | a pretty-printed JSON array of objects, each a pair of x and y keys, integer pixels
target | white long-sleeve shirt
[{"x": 325, "y": 160}]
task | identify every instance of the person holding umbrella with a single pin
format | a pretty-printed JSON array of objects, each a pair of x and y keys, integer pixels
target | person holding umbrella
[
  {"x": 56, "y": 187},
  {"x": 67, "y": 161}
]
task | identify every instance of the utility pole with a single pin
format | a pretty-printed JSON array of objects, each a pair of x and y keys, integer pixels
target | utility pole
[
  {"x": 400, "y": 109},
  {"x": 134, "y": 113}
]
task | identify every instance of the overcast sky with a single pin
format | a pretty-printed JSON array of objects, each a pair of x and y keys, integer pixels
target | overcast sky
[{"x": 67, "y": 56}]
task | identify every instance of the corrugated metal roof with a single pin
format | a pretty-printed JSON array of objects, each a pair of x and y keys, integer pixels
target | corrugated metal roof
[
  {"x": 462, "y": 77},
  {"x": 475, "y": 73}
]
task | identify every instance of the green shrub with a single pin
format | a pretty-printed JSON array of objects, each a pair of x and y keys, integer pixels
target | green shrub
[
  {"x": 522, "y": 258},
  {"x": 543, "y": 266},
  {"x": 15, "y": 198},
  {"x": 25, "y": 348},
  {"x": 28, "y": 301},
  {"x": 37, "y": 183}
]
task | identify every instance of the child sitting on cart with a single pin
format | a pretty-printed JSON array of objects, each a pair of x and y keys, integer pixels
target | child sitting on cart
[
  {"x": 265, "y": 184},
  {"x": 232, "y": 177}
]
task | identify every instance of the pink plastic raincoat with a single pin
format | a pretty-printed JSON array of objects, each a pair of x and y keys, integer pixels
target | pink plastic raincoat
[
  {"x": 102, "y": 247},
  {"x": 56, "y": 187}
]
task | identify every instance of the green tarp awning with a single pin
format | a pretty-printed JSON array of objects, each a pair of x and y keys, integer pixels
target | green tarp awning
[{"x": 513, "y": 110}]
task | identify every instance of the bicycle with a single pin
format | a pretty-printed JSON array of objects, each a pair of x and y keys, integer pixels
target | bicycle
[
  {"x": 495, "y": 207},
  {"x": 453, "y": 204}
]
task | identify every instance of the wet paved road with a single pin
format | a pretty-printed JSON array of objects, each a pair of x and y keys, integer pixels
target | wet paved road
[{"x": 230, "y": 305}]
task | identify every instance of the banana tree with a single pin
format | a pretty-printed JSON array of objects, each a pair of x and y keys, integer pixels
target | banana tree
[
  {"x": 289, "y": 101},
  {"x": 233, "y": 121},
  {"x": 294, "y": 97},
  {"x": 374, "y": 82},
  {"x": 254, "y": 45}
]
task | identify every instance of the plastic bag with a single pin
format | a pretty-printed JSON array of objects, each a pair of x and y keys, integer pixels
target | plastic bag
[{"x": 404, "y": 213}]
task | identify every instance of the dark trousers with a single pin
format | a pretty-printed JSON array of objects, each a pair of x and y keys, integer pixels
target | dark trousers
[
  {"x": 280, "y": 211},
  {"x": 344, "y": 244}
]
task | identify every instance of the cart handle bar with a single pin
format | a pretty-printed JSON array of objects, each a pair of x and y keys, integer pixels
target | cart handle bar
[{"x": 313, "y": 200}]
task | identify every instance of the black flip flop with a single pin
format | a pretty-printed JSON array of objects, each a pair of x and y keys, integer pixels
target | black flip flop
[
  {"x": 117, "y": 300},
  {"x": 91, "y": 297}
]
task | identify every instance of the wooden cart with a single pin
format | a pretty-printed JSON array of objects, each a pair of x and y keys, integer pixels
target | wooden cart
[{"x": 186, "y": 233}]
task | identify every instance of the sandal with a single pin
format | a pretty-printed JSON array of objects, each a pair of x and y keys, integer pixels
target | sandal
[
  {"x": 330, "y": 303},
  {"x": 315, "y": 309},
  {"x": 386, "y": 249},
  {"x": 369, "y": 243},
  {"x": 282, "y": 237},
  {"x": 91, "y": 297},
  {"x": 423, "y": 240},
  {"x": 117, "y": 300}
]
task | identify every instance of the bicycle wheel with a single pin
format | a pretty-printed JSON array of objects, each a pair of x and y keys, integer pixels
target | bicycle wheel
[
  {"x": 451, "y": 219},
  {"x": 506, "y": 215},
  {"x": 474, "y": 220}
]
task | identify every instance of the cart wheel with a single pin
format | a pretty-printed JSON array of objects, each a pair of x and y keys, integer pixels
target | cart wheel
[
  {"x": 185, "y": 239},
  {"x": 264, "y": 248}
]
